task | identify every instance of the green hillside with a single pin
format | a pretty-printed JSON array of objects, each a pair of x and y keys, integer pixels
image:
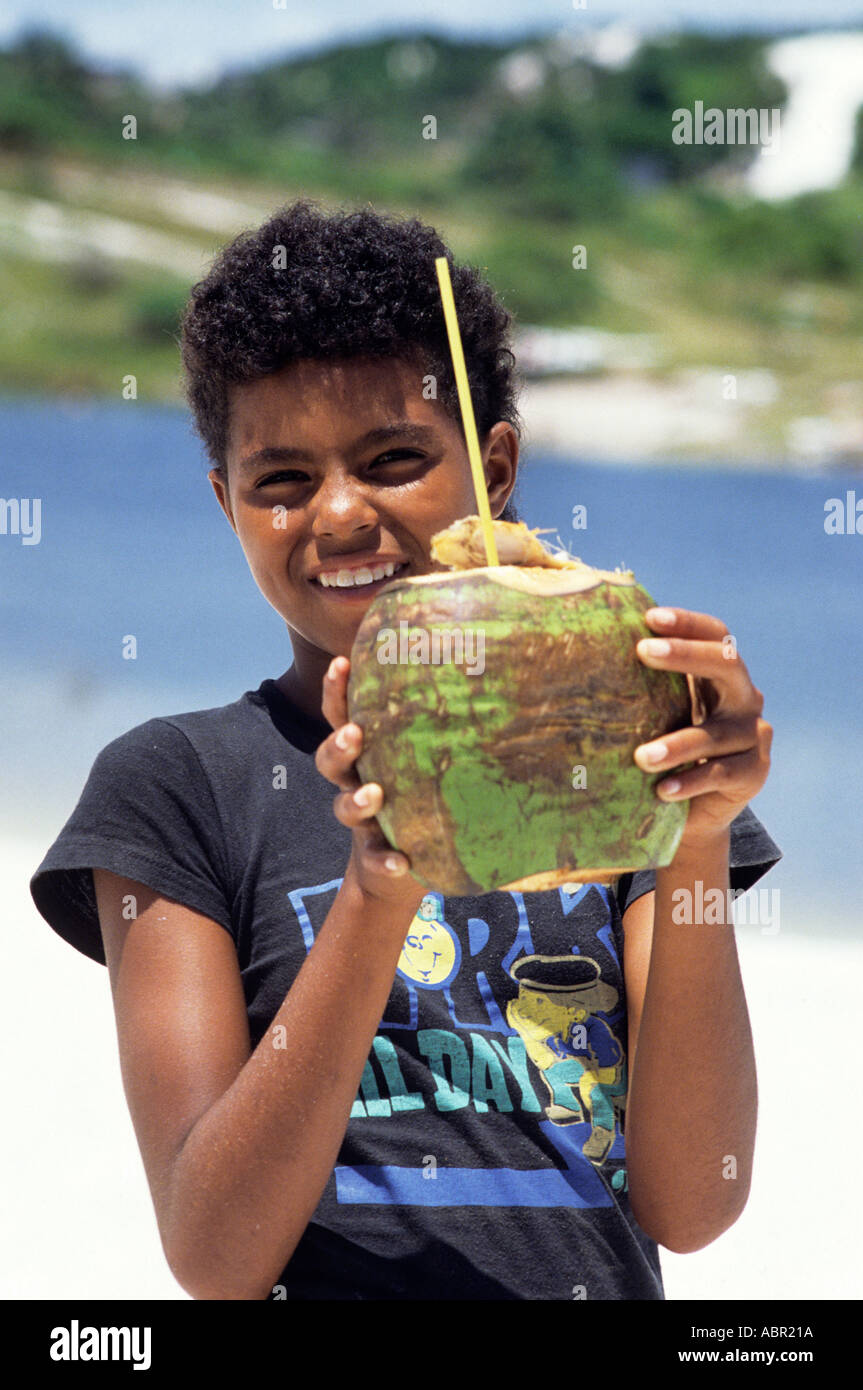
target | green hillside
[{"x": 536, "y": 149}]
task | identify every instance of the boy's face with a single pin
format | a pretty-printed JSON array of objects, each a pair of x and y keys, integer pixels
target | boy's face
[{"x": 340, "y": 497}]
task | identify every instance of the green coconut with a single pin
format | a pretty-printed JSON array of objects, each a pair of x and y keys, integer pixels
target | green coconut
[{"x": 501, "y": 707}]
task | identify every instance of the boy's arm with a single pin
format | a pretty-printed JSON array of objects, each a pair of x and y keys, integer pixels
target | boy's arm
[
  {"x": 691, "y": 1116},
  {"x": 238, "y": 1148},
  {"x": 692, "y": 1102},
  {"x": 238, "y": 1145}
]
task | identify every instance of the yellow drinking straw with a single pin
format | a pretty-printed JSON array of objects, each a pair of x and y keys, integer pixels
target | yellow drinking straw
[{"x": 470, "y": 434}]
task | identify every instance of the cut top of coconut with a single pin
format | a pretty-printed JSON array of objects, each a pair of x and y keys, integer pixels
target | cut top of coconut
[
  {"x": 546, "y": 581},
  {"x": 462, "y": 546},
  {"x": 535, "y": 580},
  {"x": 525, "y": 562}
]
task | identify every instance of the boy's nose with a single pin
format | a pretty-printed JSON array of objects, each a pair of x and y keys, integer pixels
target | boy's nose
[{"x": 342, "y": 509}]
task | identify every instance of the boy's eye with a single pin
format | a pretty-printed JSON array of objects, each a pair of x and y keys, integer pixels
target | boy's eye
[
  {"x": 294, "y": 474},
  {"x": 397, "y": 454},
  {"x": 277, "y": 477}
]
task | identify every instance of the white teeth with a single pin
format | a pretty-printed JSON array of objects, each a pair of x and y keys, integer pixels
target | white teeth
[
  {"x": 347, "y": 579},
  {"x": 350, "y": 579}
]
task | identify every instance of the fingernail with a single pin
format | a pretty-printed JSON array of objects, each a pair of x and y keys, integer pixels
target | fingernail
[
  {"x": 394, "y": 864},
  {"x": 670, "y": 787},
  {"x": 655, "y": 752},
  {"x": 661, "y": 615},
  {"x": 344, "y": 738},
  {"x": 361, "y": 798},
  {"x": 331, "y": 669},
  {"x": 655, "y": 646}
]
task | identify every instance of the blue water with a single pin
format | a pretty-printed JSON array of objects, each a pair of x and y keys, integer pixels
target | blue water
[{"x": 133, "y": 542}]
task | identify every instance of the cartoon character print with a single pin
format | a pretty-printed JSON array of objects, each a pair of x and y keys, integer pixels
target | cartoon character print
[
  {"x": 581, "y": 1061},
  {"x": 431, "y": 954}
]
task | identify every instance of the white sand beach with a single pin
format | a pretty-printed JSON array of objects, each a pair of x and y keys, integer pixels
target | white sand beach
[
  {"x": 643, "y": 418},
  {"x": 78, "y": 1219}
]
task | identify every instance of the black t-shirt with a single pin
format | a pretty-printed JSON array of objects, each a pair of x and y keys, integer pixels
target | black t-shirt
[{"x": 484, "y": 1156}]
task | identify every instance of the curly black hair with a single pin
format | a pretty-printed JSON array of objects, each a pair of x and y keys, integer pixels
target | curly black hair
[{"x": 341, "y": 285}]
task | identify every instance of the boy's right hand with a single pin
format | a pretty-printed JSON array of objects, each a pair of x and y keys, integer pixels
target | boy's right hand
[{"x": 371, "y": 855}]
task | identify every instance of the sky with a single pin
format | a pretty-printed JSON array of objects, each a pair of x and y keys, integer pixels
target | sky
[{"x": 192, "y": 41}]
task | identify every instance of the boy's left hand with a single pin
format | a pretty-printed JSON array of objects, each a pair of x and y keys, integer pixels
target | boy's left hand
[{"x": 730, "y": 742}]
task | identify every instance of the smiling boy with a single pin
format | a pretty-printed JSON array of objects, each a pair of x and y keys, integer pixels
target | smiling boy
[
  {"x": 334, "y": 467},
  {"x": 319, "y": 1118}
]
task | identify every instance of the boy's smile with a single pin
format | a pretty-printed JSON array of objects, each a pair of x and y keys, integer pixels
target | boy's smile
[{"x": 338, "y": 473}]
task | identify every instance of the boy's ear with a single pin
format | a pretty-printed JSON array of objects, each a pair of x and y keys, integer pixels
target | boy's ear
[
  {"x": 220, "y": 489},
  {"x": 501, "y": 464}
]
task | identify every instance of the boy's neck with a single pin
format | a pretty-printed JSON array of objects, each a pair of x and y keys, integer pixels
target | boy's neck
[{"x": 303, "y": 689}]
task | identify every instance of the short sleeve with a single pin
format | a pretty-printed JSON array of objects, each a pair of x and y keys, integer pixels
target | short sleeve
[
  {"x": 147, "y": 812},
  {"x": 752, "y": 853}
]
